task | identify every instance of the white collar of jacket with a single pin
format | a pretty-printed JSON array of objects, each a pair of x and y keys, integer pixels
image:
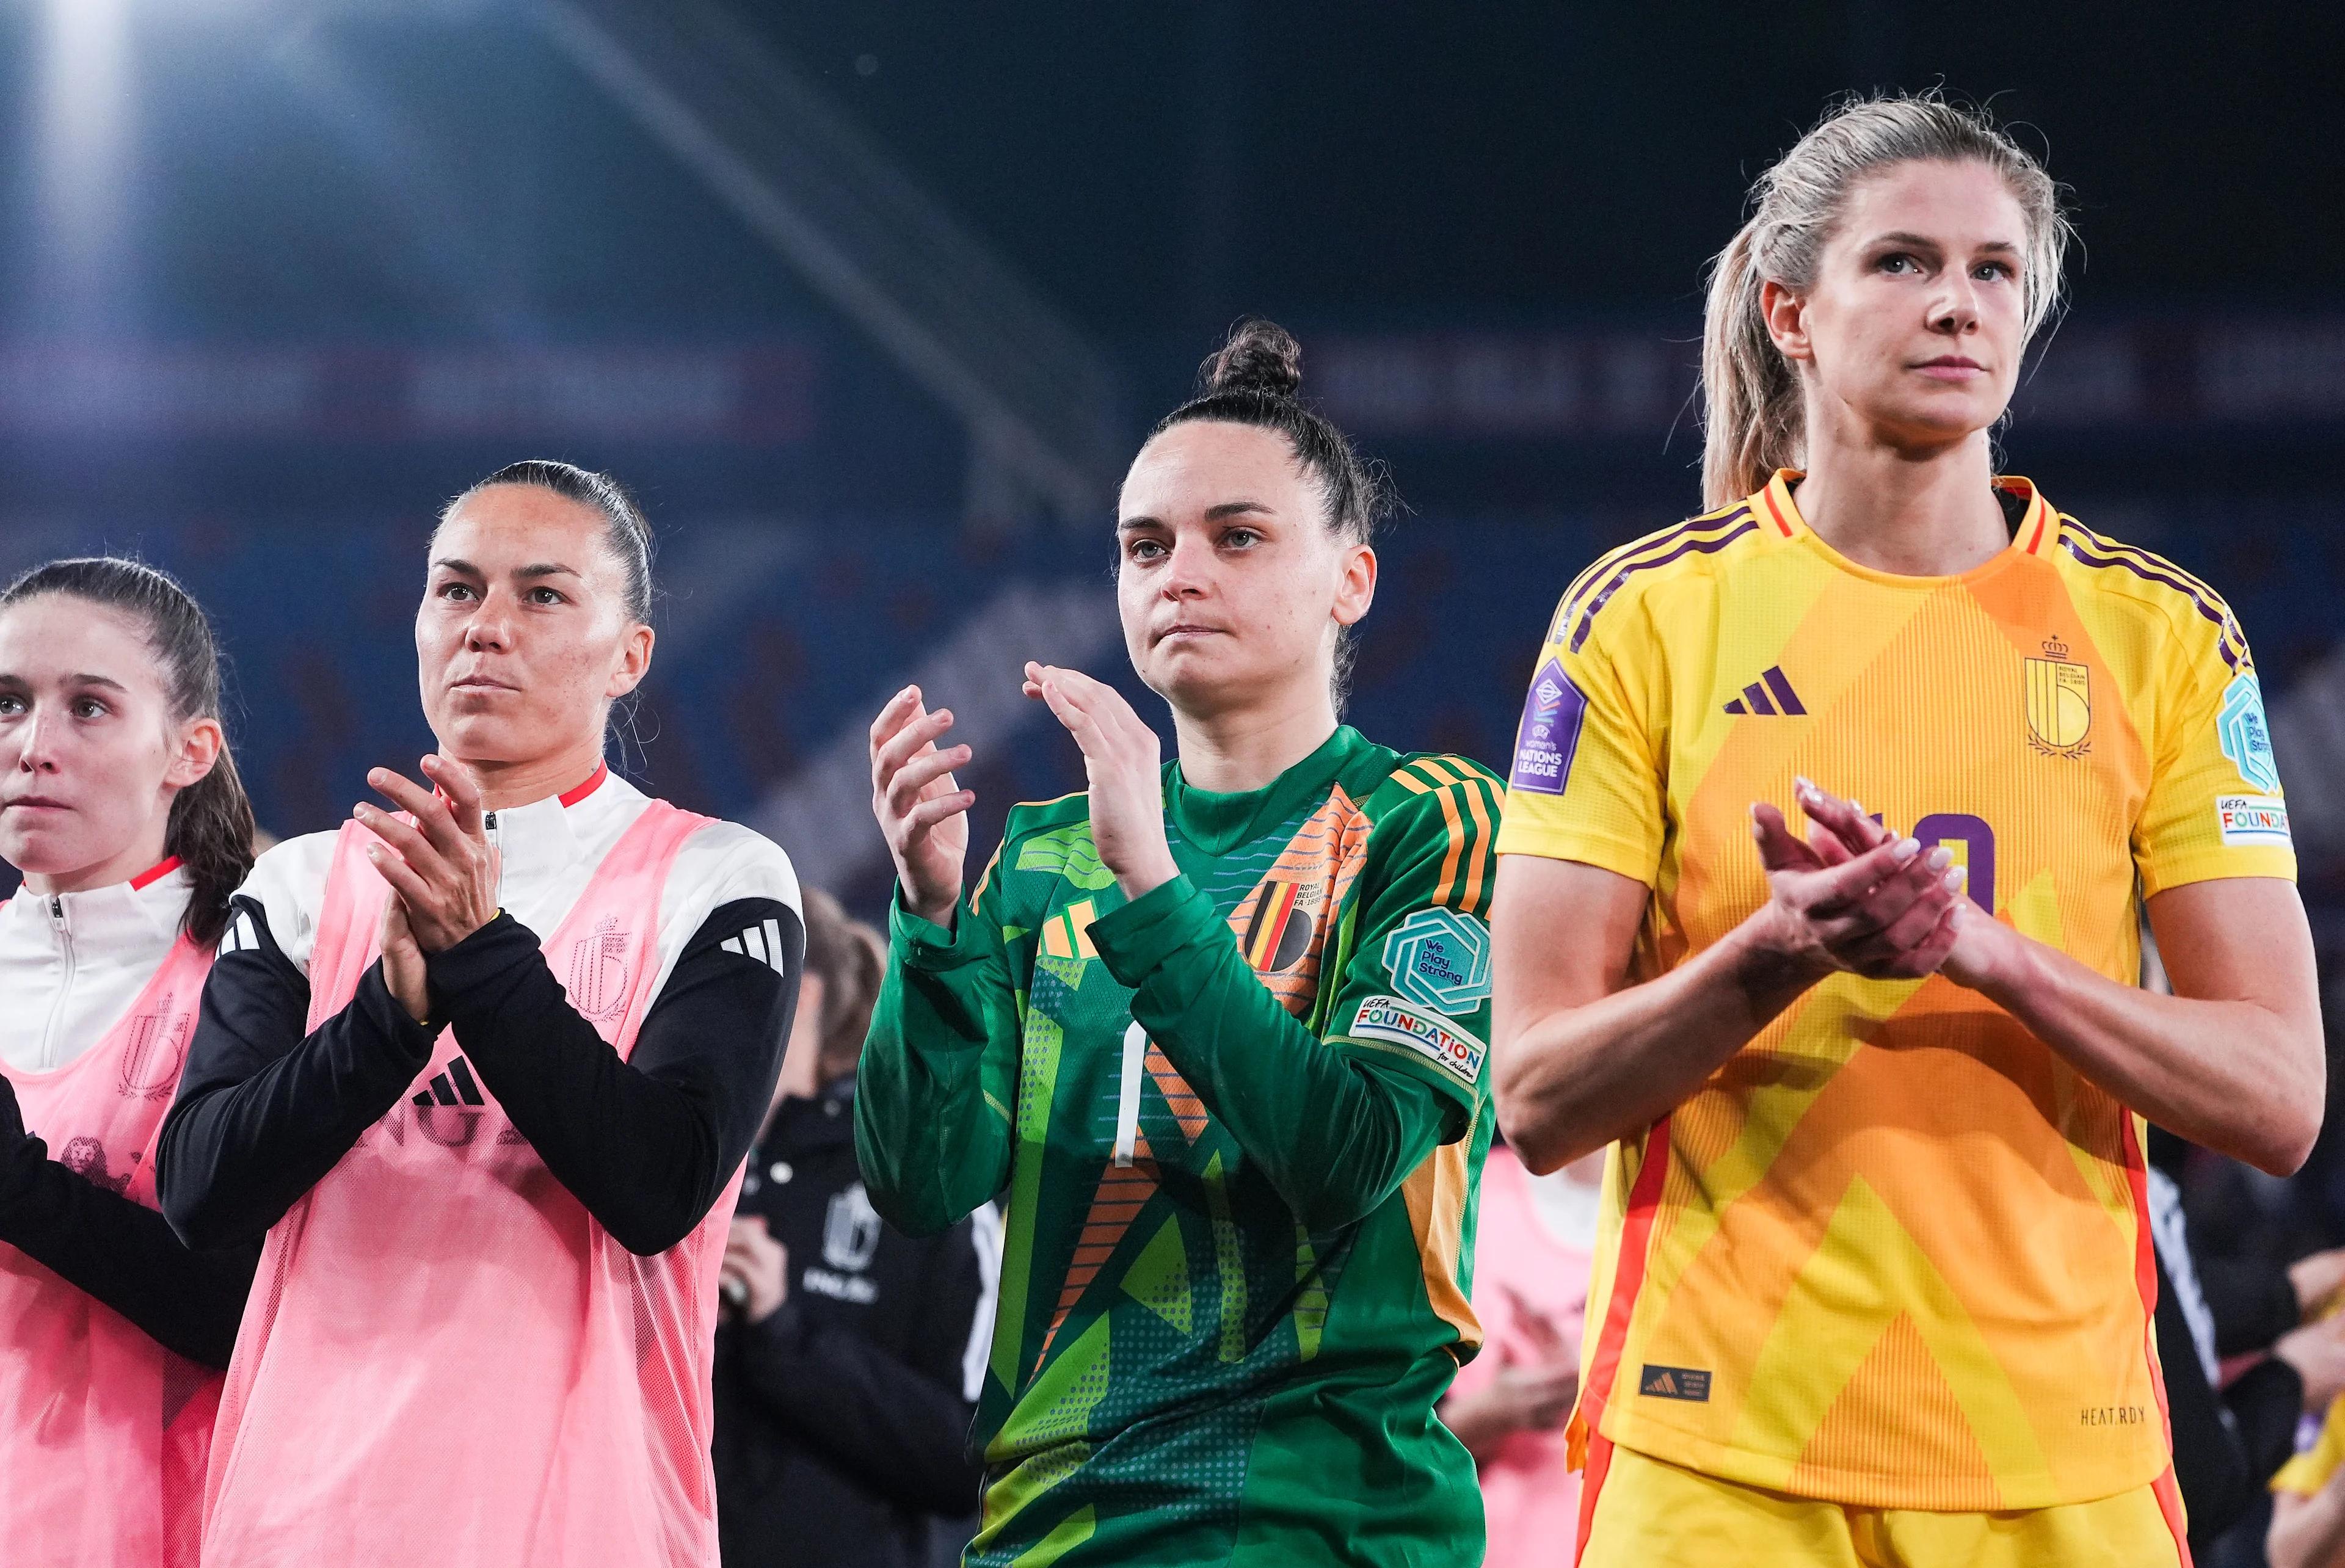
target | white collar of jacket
[
  {"x": 547, "y": 849},
  {"x": 72, "y": 963}
]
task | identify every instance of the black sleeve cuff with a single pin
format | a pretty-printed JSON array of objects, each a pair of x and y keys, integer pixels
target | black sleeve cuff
[
  {"x": 388, "y": 1020},
  {"x": 2266, "y": 1400},
  {"x": 465, "y": 978}
]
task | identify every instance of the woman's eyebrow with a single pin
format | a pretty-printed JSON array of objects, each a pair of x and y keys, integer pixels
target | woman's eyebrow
[
  {"x": 1923, "y": 242},
  {"x": 536, "y": 569}
]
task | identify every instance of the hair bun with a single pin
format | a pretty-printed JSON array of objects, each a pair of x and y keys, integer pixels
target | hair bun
[{"x": 1260, "y": 357}]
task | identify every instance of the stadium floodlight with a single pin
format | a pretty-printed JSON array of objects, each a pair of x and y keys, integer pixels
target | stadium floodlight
[{"x": 82, "y": 246}]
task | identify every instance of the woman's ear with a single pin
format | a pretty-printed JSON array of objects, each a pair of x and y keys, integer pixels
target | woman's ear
[
  {"x": 1356, "y": 585},
  {"x": 200, "y": 744},
  {"x": 635, "y": 660},
  {"x": 1786, "y": 315}
]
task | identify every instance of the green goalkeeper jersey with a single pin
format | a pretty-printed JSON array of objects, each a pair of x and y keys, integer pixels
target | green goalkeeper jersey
[{"x": 1238, "y": 1125}]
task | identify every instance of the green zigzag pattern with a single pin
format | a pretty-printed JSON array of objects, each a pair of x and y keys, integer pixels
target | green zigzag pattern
[{"x": 1069, "y": 852}]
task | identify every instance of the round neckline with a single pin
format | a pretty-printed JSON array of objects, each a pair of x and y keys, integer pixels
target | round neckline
[
  {"x": 1216, "y": 821},
  {"x": 1777, "y": 498}
]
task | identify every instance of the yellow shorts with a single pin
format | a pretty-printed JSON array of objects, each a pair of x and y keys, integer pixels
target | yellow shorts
[{"x": 1649, "y": 1515}]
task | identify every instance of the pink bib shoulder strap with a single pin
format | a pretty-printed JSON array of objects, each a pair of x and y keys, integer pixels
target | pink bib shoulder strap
[
  {"x": 350, "y": 920},
  {"x": 149, "y": 1058},
  {"x": 605, "y": 952}
]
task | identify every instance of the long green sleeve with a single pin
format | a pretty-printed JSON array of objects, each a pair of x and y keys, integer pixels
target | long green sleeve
[
  {"x": 1333, "y": 1133},
  {"x": 932, "y": 1093}
]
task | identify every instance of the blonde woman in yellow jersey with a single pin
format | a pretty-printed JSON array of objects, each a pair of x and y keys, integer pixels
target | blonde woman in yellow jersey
[{"x": 1875, "y": 1281}]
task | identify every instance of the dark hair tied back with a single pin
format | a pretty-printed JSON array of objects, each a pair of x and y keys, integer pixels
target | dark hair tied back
[
  {"x": 1254, "y": 380},
  {"x": 1260, "y": 357},
  {"x": 626, "y": 531},
  {"x": 210, "y": 824}
]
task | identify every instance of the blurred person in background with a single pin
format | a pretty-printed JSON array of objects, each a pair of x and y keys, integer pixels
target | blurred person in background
[
  {"x": 483, "y": 1069},
  {"x": 2246, "y": 1349},
  {"x": 2247, "y": 1353},
  {"x": 847, "y": 1357},
  {"x": 2307, "y": 1518},
  {"x": 121, "y": 807},
  {"x": 1216, "y": 1024},
  {"x": 1534, "y": 1242}
]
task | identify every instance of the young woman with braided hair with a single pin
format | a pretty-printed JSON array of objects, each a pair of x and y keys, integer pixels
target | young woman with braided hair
[{"x": 1214, "y": 1027}]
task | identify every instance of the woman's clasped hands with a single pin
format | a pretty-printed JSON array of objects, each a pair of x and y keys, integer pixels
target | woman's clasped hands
[
  {"x": 1854, "y": 897},
  {"x": 1123, "y": 761},
  {"x": 442, "y": 868}
]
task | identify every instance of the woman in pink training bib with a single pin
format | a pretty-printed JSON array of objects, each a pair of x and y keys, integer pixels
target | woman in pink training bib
[
  {"x": 121, "y": 808},
  {"x": 483, "y": 1068}
]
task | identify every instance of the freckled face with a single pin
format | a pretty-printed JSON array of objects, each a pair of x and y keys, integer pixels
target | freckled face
[
  {"x": 1229, "y": 581},
  {"x": 523, "y": 637}
]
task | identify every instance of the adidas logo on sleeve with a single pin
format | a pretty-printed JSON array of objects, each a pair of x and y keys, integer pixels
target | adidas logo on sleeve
[
  {"x": 240, "y": 936},
  {"x": 762, "y": 942}
]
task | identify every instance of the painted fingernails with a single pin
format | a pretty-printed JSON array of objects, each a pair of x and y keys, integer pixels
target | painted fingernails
[
  {"x": 1941, "y": 857},
  {"x": 1907, "y": 848},
  {"x": 1956, "y": 878}
]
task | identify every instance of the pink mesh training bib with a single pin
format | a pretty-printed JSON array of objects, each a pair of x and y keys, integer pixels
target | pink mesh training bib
[
  {"x": 446, "y": 1361},
  {"x": 102, "y": 1430}
]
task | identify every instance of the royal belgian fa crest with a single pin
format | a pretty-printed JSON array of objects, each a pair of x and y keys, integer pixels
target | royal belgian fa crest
[{"x": 2059, "y": 702}]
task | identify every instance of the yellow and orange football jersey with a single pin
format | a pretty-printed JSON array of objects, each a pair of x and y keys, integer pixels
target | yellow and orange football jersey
[{"x": 1893, "y": 1253}]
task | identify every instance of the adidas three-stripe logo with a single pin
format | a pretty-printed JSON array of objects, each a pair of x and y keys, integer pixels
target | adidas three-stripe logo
[
  {"x": 241, "y": 937},
  {"x": 455, "y": 1087},
  {"x": 762, "y": 942},
  {"x": 1754, "y": 698}
]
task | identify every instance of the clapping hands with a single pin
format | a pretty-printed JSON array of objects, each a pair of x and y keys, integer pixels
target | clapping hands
[
  {"x": 1854, "y": 897},
  {"x": 442, "y": 871},
  {"x": 1122, "y": 757}
]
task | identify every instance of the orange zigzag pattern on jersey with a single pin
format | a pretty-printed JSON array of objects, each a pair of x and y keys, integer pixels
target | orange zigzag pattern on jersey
[
  {"x": 1179, "y": 1097},
  {"x": 1320, "y": 862},
  {"x": 1123, "y": 1191}
]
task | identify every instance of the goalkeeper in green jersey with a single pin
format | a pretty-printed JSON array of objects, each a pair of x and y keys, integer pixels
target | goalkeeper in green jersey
[{"x": 1213, "y": 1031}]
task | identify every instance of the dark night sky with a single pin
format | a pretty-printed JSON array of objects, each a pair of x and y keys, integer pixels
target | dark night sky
[
  {"x": 1156, "y": 170},
  {"x": 1152, "y": 166}
]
